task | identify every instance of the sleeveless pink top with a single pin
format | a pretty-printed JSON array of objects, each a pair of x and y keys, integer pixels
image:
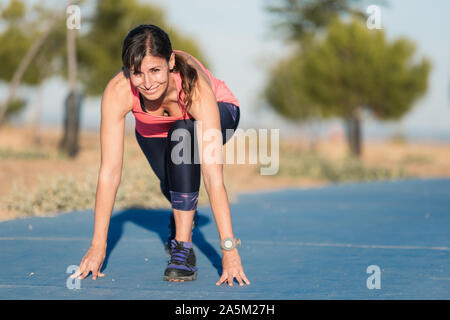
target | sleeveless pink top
[{"x": 149, "y": 125}]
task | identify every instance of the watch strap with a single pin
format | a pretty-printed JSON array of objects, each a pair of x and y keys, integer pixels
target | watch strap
[{"x": 235, "y": 242}]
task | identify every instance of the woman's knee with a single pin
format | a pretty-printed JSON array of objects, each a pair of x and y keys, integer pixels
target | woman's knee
[
  {"x": 181, "y": 138},
  {"x": 165, "y": 191},
  {"x": 229, "y": 119}
]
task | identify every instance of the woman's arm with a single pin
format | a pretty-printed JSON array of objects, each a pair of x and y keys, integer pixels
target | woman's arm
[
  {"x": 115, "y": 100},
  {"x": 112, "y": 128},
  {"x": 205, "y": 111}
]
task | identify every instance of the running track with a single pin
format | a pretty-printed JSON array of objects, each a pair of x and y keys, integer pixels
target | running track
[{"x": 297, "y": 244}]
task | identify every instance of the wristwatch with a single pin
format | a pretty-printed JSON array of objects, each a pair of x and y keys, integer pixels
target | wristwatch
[{"x": 230, "y": 243}]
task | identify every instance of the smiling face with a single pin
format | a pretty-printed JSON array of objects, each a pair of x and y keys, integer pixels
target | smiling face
[{"x": 153, "y": 79}]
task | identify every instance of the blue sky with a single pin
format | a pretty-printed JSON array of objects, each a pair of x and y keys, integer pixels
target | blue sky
[{"x": 236, "y": 38}]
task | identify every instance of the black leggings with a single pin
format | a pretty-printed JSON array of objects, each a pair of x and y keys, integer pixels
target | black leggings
[{"x": 180, "y": 183}]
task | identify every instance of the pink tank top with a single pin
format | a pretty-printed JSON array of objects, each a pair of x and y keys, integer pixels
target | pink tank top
[{"x": 149, "y": 125}]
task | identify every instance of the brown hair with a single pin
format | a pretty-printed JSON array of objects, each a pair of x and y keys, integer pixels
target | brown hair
[{"x": 148, "y": 39}]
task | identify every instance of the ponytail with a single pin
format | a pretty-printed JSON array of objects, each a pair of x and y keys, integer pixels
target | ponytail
[{"x": 189, "y": 78}]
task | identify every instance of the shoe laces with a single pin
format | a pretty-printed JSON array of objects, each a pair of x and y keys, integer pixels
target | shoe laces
[{"x": 179, "y": 253}]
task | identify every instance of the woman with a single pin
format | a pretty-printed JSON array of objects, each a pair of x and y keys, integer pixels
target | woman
[{"x": 166, "y": 90}]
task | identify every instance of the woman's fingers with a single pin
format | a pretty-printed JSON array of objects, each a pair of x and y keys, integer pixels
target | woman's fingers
[
  {"x": 76, "y": 273},
  {"x": 222, "y": 278},
  {"x": 230, "y": 280},
  {"x": 91, "y": 262},
  {"x": 89, "y": 267},
  {"x": 238, "y": 278},
  {"x": 244, "y": 277},
  {"x": 79, "y": 270},
  {"x": 85, "y": 272},
  {"x": 228, "y": 277},
  {"x": 94, "y": 273},
  {"x": 96, "y": 270},
  {"x": 98, "y": 273}
]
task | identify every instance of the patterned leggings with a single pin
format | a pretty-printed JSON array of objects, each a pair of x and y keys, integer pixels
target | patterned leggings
[{"x": 180, "y": 183}]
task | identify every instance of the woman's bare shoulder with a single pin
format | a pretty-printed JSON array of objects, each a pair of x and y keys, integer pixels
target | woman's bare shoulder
[{"x": 118, "y": 90}]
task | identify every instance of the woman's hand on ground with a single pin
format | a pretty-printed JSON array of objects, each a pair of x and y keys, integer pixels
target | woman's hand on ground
[
  {"x": 91, "y": 262},
  {"x": 232, "y": 268}
]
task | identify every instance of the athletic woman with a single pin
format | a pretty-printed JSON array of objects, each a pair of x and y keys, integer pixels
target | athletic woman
[{"x": 169, "y": 92}]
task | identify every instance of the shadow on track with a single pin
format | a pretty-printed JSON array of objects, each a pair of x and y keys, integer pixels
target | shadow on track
[{"x": 157, "y": 220}]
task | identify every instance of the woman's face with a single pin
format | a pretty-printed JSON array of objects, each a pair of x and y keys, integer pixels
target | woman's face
[{"x": 153, "y": 80}]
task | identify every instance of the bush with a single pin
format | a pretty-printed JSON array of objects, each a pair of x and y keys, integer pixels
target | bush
[
  {"x": 139, "y": 187},
  {"x": 28, "y": 154},
  {"x": 312, "y": 165}
]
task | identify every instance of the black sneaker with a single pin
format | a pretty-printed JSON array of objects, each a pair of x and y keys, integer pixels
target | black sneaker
[
  {"x": 182, "y": 264},
  {"x": 173, "y": 230}
]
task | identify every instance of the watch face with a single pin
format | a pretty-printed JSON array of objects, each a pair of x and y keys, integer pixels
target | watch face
[{"x": 228, "y": 244}]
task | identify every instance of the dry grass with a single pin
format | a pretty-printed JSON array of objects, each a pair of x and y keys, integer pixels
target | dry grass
[{"x": 37, "y": 180}]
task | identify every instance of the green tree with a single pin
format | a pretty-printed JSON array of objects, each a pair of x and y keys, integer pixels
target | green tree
[
  {"x": 27, "y": 52},
  {"x": 302, "y": 19},
  {"x": 350, "y": 69},
  {"x": 15, "y": 43},
  {"x": 299, "y": 21}
]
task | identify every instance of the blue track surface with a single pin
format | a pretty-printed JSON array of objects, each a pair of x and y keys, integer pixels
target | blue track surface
[{"x": 297, "y": 244}]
